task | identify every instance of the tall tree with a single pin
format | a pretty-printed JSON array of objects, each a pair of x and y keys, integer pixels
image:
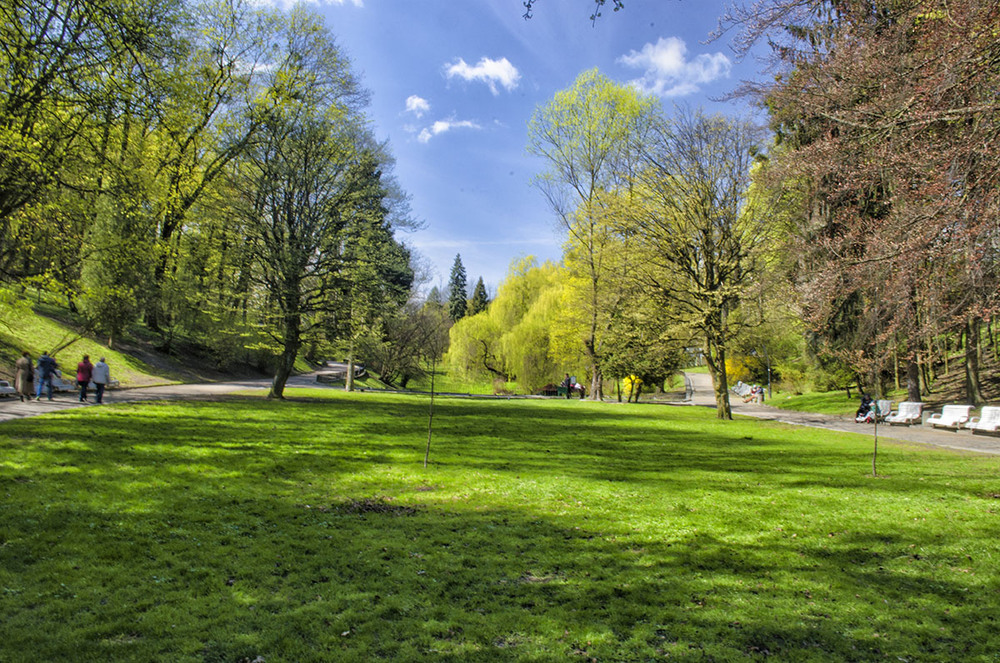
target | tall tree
[
  {"x": 65, "y": 67},
  {"x": 700, "y": 233},
  {"x": 196, "y": 127},
  {"x": 457, "y": 285},
  {"x": 887, "y": 110},
  {"x": 61, "y": 64},
  {"x": 587, "y": 136},
  {"x": 296, "y": 179},
  {"x": 480, "y": 300},
  {"x": 117, "y": 266},
  {"x": 376, "y": 274}
]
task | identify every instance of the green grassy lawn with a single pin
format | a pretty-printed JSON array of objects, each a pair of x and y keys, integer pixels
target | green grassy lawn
[
  {"x": 446, "y": 383},
  {"x": 308, "y": 530}
]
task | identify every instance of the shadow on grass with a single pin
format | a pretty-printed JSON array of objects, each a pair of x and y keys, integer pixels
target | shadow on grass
[
  {"x": 289, "y": 440},
  {"x": 580, "y": 440},
  {"x": 306, "y": 531},
  {"x": 240, "y": 578}
]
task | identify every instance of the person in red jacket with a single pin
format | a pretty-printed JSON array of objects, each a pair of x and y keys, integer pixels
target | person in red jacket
[{"x": 84, "y": 371}]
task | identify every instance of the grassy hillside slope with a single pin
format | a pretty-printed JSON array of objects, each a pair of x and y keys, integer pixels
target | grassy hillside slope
[
  {"x": 37, "y": 333},
  {"x": 135, "y": 362}
]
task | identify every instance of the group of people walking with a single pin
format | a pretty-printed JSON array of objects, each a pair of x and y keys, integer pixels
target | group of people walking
[{"x": 30, "y": 380}]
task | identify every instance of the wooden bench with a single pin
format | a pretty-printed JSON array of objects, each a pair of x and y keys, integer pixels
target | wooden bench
[
  {"x": 951, "y": 416},
  {"x": 909, "y": 413},
  {"x": 988, "y": 421}
]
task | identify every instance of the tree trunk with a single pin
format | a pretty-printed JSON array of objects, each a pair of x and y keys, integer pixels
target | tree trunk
[
  {"x": 597, "y": 384},
  {"x": 286, "y": 363},
  {"x": 992, "y": 336},
  {"x": 973, "y": 386},
  {"x": 925, "y": 374},
  {"x": 596, "y": 379},
  {"x": 430, "y": 416},
  {"x": 913, "y": 379},
  {"x": 895, "y": 367},
  {"x": 995, "y": 338},
  {"x": 715, "y": 357},
  {"x": 349, "y": 378}
]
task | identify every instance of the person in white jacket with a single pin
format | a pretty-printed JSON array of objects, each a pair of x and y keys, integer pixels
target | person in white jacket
[{"x": 100, "y": 377}]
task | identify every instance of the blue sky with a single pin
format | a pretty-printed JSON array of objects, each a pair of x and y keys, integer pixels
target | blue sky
[{"x": 455, "y": 82}]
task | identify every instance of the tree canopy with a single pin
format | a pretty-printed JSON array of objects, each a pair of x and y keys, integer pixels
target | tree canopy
[{"x": 205, "y": 169}]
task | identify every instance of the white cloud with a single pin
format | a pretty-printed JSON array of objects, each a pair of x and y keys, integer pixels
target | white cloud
[
  {"x": 488, "y": 71},
  {"x": 417, "y": 105},
  {"x": 668, "y": 72},
  {"x": 442, "y": 126}
]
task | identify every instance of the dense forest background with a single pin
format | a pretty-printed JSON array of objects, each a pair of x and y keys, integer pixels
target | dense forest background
[{"x": 203, "y": 174}]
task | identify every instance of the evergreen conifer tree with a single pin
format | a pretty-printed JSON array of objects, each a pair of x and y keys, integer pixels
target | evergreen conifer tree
[
  {"x": 457, "y": 284},
  {"x": 480, "y": 300}
]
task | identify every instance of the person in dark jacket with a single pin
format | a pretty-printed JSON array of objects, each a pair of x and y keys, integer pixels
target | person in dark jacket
[
  {"x": 864, "y": 409},
  {"x": 567, "y": 384},
  {"x": 44, "y": 371}
]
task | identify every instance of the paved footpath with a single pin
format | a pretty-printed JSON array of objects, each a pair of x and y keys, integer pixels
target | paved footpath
[
  {"x": 12, "y": 408},
  {"x": 963, "y": 440},
  {"x": 703, "y": 395}
]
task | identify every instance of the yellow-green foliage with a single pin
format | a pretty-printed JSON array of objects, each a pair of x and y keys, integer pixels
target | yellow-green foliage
[
  {"x": 738, "y": 369},
  {"x": 527, "y": 346},
  {"x": 473, "y": 346},
  {"x": 514, "y": 336},
  {"x": 581, "y": 134}
]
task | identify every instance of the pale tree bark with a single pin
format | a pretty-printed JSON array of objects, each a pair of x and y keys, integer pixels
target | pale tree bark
[{"x": 349, "y": 378}]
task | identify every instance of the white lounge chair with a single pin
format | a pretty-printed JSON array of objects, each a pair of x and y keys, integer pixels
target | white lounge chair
[
  {"x": 951, "y": 416},
  {"x": 988, "y": 421},
  {"x": 909, "y": 413}
]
